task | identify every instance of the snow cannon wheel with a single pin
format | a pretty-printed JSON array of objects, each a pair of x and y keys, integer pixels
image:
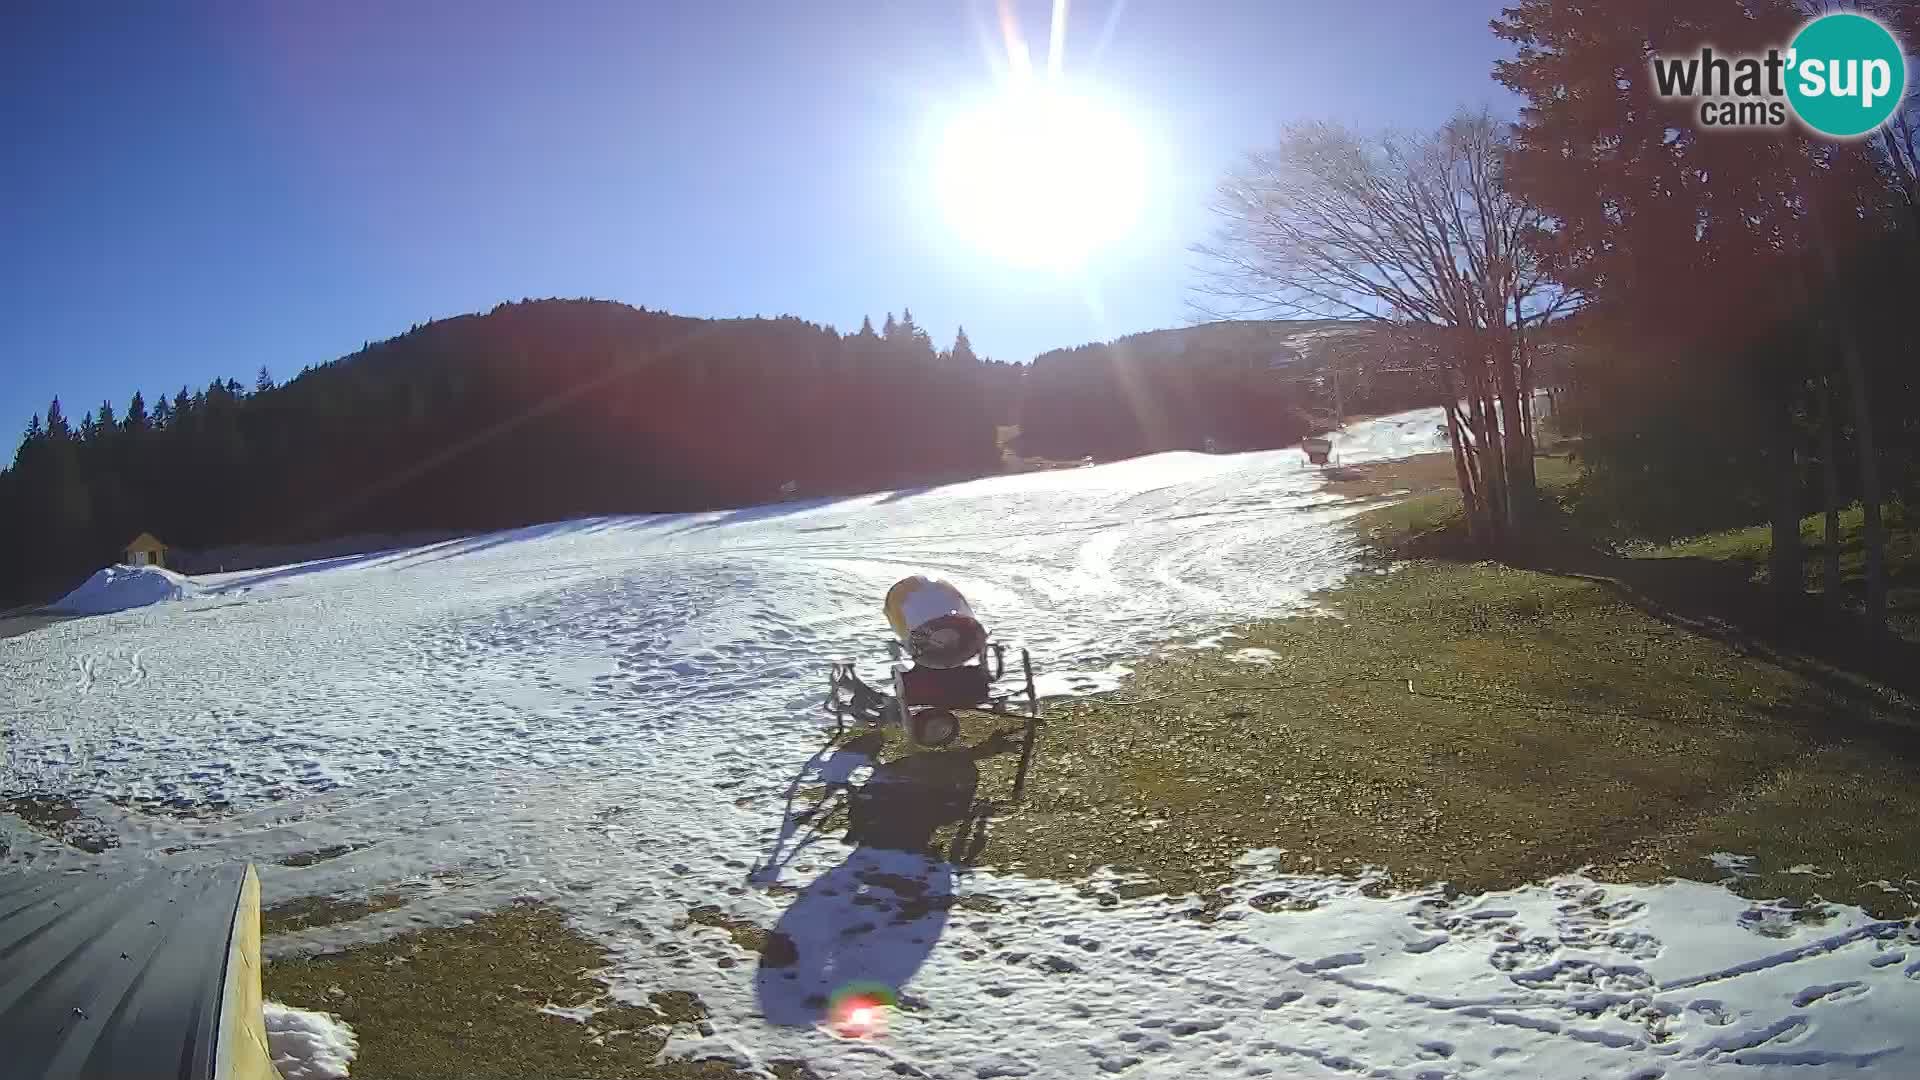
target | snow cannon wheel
[{"x": 933, "y": 727}]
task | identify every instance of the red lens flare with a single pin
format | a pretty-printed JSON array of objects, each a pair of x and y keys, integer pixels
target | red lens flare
[
  {"x": 860, "y": 1012},
  {"x": 860, "y": 1018}
]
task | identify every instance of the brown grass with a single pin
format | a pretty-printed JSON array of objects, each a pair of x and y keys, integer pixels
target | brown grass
[
  {"x": 309, "y": 912},
  {"x": 62, "y": 820},
  {"x": 1551, "y": 725},
  {"x": 463, "y": 1003}
]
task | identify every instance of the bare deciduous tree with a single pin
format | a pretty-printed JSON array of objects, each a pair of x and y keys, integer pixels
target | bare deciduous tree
[{"x": 1415, "y": 231}]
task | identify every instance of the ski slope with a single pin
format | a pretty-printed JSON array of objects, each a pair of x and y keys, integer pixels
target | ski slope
[{"x": 609, "y": 714}]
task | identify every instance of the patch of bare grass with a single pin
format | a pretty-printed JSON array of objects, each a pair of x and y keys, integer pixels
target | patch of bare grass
[
  {"x": 1549, "y": 726},
  {"x": 465, "y": 1003},
  {"x": 63, "y": 820}
]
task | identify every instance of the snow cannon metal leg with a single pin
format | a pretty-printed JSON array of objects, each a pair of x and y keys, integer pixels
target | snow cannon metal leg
[
  {"x": 836, "y": 702},
  {"x": 902, "y": 714},
  {"x": 850, "y": 699}
]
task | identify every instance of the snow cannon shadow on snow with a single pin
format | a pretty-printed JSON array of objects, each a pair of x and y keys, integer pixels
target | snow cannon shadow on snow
[
  {"x": 941, "y": 663},
  {"x": 864, "y": 928}
]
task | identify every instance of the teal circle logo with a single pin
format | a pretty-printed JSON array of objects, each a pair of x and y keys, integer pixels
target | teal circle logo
[{"x": 1846, "y": 74}]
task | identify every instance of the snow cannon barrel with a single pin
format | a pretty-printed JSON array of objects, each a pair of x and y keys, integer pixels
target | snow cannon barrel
[
  {"x": 934, "y": 622},
  {"x": 1318, "y": 449}
]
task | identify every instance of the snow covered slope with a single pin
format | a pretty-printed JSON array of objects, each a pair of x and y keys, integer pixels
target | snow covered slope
[
  {"x": 609, "y": 715},
  {"x": 538, "y": 645}
]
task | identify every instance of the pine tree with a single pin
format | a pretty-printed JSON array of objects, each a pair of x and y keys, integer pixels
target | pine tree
[
  {"x": 908, "y": 343},
  {"x": 320, "y": 439},
  {"x": 1645, "y": 207},
  {"x": 919, "y": 343},
  {"x": 57, "y": 493},
  {"x": 29, "y": 444},
  {"x": 962, "y": 353},
  {"x": 71, "y": 509},
  {"x": 263, "y": 382}
]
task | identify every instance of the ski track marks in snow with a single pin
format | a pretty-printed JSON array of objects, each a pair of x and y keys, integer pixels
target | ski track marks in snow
[
  {"x": 615, "y": 716},
  {"x": 521, "y": 648}
]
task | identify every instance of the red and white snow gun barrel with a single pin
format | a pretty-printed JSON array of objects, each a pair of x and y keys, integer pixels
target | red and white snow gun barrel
[{"x": 934, "y": 622}]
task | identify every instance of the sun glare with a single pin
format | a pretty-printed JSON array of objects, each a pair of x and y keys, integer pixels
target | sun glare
[{"x": 1040, "y": 176}]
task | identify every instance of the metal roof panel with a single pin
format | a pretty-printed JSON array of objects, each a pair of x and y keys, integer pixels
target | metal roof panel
[{"x": 114, "y": 976}]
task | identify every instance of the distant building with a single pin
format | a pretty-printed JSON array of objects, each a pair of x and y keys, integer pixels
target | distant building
[{"x": 145, "y": 550}]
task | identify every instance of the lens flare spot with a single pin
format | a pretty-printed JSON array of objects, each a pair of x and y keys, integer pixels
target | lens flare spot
[{"x": 860, "y": 1012}]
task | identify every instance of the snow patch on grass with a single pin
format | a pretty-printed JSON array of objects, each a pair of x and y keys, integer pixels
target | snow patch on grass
[{"x": 309, "y": 1045}]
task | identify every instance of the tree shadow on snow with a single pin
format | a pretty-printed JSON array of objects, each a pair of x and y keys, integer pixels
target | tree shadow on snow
[
  {"x": 953, "y": 480},
  {"x": 313, "y": 566},
  {"x": 410, "y": 556},
  {"x": 473, "y": 545},
  {"x": 873, "y": 920},
  {"x": 758, "y": 512}
]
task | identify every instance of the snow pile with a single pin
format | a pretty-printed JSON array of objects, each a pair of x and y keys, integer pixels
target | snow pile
[
  {"x": 118, "y": 588},
  {"x": 308, "y": 1045},
  {"x": 1422, "y": 431}
]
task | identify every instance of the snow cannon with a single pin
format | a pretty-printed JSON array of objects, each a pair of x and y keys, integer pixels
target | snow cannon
[
  {"x": 1318, "y": 449},
  {"x": 940, "y": 664},
  {"x": 934, "y": 622}
]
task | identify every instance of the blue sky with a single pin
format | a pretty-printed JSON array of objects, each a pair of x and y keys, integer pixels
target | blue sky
[{"x": 192, "y": 190}]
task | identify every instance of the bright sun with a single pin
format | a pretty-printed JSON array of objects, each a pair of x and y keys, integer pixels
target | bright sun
[{"x": 1041, "y": 177}]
